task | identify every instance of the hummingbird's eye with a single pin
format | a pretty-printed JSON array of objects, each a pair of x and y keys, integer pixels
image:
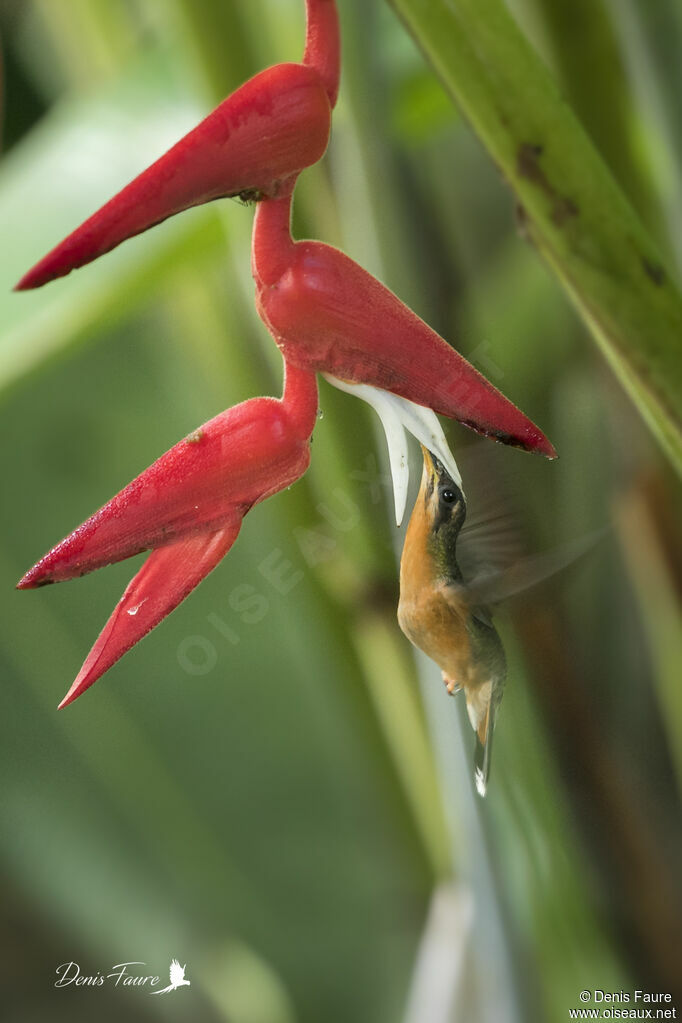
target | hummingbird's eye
[{"x": 449, "y": 496}]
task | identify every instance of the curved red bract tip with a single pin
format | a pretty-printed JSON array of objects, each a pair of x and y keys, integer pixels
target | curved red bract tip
[
  {"x": 267, "y": 131},
  {"x": 166, "y": 578}
]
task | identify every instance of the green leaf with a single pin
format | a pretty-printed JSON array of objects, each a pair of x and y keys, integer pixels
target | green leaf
[{"x": 574, "y": 211}]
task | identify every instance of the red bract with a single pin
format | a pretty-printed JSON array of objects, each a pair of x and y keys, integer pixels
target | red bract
[
  {"x": 276, "y": 124},
  {"x": 329, "y": 315},
  {"x": 261, "y": 136},
  {"x": 188, "y": 507}
]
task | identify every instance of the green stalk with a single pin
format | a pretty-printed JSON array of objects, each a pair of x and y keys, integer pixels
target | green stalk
[{"x": 574, "y": 211}]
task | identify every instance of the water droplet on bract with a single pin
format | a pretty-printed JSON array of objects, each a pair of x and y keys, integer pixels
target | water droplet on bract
[
  {"x": 320, "y": 413},
  {"x": 135, "y": 608}
]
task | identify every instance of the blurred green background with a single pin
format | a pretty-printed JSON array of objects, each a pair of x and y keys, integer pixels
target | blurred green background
[{"x": 270, "y": 787}]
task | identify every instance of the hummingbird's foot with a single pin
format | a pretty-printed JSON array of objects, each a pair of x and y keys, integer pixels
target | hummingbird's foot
[{"x": 452, "y": 687}]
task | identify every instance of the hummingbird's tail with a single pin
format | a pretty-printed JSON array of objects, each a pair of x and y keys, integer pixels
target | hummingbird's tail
[
  {"x": 482, "y": 710},
  {"x": 482, "y": 755}
]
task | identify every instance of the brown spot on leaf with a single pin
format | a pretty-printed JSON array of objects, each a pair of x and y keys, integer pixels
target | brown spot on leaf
[
  {"x": 528, "y": 166},
  {"x": 654, "y": 271},
  {"x": 563, "y": 210},
  {"x": 527, "y": 163},
  {"x": 521, "y": 218}
]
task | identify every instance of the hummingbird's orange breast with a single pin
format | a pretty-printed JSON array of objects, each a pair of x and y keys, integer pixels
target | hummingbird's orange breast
[{"x": 430, "y": 613}]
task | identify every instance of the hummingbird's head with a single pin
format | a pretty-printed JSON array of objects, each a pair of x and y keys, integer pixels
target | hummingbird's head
[{"x": 444, "y": 506}]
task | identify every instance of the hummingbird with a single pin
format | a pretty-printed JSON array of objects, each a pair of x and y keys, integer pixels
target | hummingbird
[
  {"x": 442, "y": 615},
  {"x": 452, "y": 573}
]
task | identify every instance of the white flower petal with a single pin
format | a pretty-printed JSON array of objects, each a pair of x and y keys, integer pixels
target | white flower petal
[
  {"x": 423, "y": 424},
  {"x": 395, "y": 436},
  {"x": 397, "y": 415}
]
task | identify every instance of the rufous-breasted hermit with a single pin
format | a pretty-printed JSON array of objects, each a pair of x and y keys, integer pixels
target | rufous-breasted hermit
[{"x": 440, "y": 614}]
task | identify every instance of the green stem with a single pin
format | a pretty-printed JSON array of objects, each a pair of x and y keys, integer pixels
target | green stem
[{"x": 575, "y": 212}]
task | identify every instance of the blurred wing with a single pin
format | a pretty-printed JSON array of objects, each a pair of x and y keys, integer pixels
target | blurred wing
[
  {"x": 168, "y": 575},
  {"x": 491, "y": 538},
  {"x": 177, "y": 972},
  {"x": 492, "y": 552},
  {"x": 489, "y": 543},
  {"x": 493, "y": 585}
]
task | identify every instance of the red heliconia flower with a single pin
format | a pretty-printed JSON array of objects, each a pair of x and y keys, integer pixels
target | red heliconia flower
[
  {"x": 187, "y": 508},
  {"x": 251, "y": 145},
  {"x": 329, "y": 315},
  {"x": 325, "y": 313}
]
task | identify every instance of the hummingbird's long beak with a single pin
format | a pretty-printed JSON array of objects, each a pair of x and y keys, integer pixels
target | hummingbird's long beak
[
  {"x": 429, "y": 467},
  {"x": 436, "y": 467}
]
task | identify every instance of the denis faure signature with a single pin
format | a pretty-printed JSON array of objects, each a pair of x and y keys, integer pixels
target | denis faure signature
[{"x": 121, "y": 975}]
